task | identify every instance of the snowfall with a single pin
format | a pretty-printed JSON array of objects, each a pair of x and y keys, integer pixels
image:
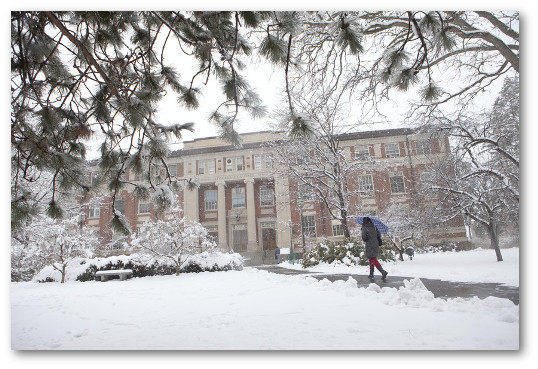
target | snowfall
[{"x": 256, "y": 310}]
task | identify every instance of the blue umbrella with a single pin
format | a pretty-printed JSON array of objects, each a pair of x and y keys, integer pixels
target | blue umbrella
[{"x": 382, "y": 227}]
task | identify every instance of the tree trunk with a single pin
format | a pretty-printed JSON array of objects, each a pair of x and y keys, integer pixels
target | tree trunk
[
  {"x": 345, "y": 225},
  {"x": 343, "y": 215},
  {"x": 494, "y": 238},
  {"x": 178, "y": 266},
  {"x": 63, "y": 272},
  {"x": 399, "y": 249}
]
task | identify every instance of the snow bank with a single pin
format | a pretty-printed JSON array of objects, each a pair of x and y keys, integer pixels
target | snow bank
[
  {"x": 479, "y": 265},
  {"x": 414, "y": 294}
]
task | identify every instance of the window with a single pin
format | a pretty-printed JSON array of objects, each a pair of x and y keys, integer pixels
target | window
[
  {"x": 257, "y": 162},
  {"x": 338, "y": 230},
  {"x": 262, "y": 163},
  {"x": 308, "y": 224},
  {"x": 392, "y": 150},
  {"x": 239, "y": 237},
  {"x": 210, "y": 199},
  {"x": 213, "y": 233},
  {"x": 93, "y": 178},
  {"x": 397, "y": 184},
  {"x": 362, "y": 152},
  {"x": 172, "y": 168},
  {"x": 366, "y": 185},
  {"x": 238, "y": 197},
  {"x": 305, "y": 192},
  {"x": 120, "y": 206},
  {"x": 211, "y": 166},
  {"x": 229, "y": 165},
  {"x": 239, "y": 163},
  {"x": 144, "y": 207},
  {"x": 422, "y": 147},
  {"x": 94, "y": 211},
  {"x": 201, "y": 167},
  {"x": 267, "y": 196}
]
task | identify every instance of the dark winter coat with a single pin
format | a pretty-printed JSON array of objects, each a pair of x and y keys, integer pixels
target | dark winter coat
[
  {"x": 277, "y": 253},
  {"x": 372, "y": 240}
]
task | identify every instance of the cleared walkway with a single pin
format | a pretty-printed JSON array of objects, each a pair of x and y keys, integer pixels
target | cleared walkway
[{"x": 439, "y": 288}]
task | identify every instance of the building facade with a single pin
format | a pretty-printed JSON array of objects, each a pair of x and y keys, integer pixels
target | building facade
[{"x": 249, "y": 207}]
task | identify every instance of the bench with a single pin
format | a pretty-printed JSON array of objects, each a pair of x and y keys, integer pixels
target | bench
[
  {"x": 294, "y": 258},
  {"x": 104, "y": 275}
]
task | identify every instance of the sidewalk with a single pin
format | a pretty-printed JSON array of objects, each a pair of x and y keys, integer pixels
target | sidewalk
[{"x": 439, "y": 288}]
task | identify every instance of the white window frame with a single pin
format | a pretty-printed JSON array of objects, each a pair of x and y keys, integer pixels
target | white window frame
[
  {"x": 308, "y": 225},
  {"x": 93, "y": 177},
  {"x": 362, "y": 152},
  {"x": 423, "y": 147},
  {"x": 94, "y": 211},
  {"x": 239, "y": 165},
  {"x": 201, "y": 167},
  {"x": 268, "y": 162},
  {"x": 238, "y": 197},
  {"x": 229, "y": 164},
  {"x": 397, "y": 183},
  {"x": 140, "y": 204},
  {"x": 366, "y": 185},
  {"x": 213, "y": 203},
  {"x": 173, "y": 172},
  {"x": 338, "y": 229},
  {"x": 257, "y": 162},
  {"x": 211, "y": 166},
  {"x": 392, "y": 150},
  {"x": 267, "y": 196}
]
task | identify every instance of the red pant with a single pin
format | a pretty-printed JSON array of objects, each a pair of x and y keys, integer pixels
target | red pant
[{"x": 374, "y": 263}]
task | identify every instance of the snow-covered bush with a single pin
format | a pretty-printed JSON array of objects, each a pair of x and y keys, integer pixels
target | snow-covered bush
[
  {"x": 54, "y": 242},
  {"x": 84, "y": 269},
  {"x": 173, "y": 239},
  {"x": 350, "y": 251}
]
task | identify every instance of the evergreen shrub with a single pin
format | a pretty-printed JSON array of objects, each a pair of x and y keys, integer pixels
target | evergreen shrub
[{"x": 350, "y": 251}]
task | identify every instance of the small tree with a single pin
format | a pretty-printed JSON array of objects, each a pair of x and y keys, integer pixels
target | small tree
[
  {"x": 413, "y": 225},
  {"x": 173, "y": 238},
  {"x": 56, "y": 242}
]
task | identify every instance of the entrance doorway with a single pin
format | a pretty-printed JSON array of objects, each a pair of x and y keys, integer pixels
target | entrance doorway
[{"x": 268, "y": 236}]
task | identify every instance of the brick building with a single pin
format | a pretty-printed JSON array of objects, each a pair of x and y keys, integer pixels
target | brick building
[{"x": 250, "y": 209}]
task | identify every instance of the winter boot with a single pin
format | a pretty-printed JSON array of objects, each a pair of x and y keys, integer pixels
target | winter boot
[
  {"x": 383, "y": 273},
  {"x": 371, "y": 276}
]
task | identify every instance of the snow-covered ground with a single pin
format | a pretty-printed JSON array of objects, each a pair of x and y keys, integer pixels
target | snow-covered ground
[
  {"x": 257, "y": 310},
  {"x": 470, "y": 266}
]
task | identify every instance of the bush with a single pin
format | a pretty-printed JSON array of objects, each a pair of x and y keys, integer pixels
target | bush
[
  {"x": 350, "y": 251},
  {"x": 84, "y": 270}
]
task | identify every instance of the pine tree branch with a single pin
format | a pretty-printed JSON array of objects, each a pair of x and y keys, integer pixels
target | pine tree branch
[{"x": 89, "y": 57}]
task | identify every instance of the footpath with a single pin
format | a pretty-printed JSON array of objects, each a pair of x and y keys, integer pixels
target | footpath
[{"x": 439, "y": 288}]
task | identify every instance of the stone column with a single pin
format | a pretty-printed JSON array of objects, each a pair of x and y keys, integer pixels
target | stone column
[
  {"x": 283, "y": 212},
  {"x": 221, "y": 215},
  {"x": 251, "y": 216},
  {"x": 190, "y": 204}
]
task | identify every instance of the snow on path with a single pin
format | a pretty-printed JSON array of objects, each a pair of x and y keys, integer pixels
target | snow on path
[{"x": 253, "y": 310}]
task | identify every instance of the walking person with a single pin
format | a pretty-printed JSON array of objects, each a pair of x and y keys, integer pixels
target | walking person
[
  {"x": 372, "y": 241},
  {"x": 277, "y": 255}
]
